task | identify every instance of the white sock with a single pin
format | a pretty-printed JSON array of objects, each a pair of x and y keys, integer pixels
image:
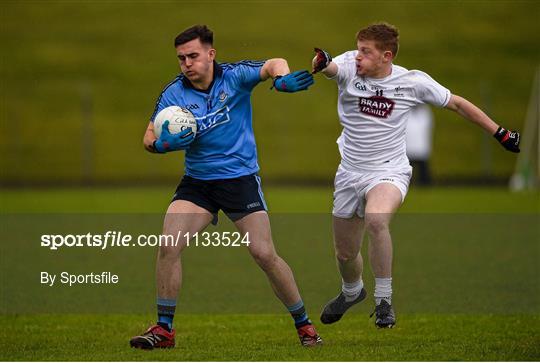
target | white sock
[
  {"x": 383, "y": 290},
  {"x": 351, "y": 290}
]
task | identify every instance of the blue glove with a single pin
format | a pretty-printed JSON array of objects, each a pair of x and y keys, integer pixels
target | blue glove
[
  {"x": 293, "y": 82},
  {"x": 168, "y": 142}
]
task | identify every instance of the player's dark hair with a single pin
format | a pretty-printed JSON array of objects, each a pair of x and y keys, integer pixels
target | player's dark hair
[
  {"x": 386, "y": 36},
  {"x": 201, "y": 32}
]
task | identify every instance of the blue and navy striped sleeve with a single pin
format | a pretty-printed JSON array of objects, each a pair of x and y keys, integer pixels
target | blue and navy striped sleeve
[
  {"x": 248, "y": 73},
  {"x": 165, "y": 100}
]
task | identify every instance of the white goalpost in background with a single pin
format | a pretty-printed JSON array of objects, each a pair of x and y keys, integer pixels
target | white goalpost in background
[{"x": 527, "y": 172}]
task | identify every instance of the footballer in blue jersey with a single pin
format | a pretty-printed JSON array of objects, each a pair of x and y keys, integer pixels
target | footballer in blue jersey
[
  {"x": 220, "y": 172},
  {"x": 224, "y": 147}
]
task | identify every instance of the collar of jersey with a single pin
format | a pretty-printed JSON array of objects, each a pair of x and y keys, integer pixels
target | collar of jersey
[
  {"x": 378, "y": 80},
  {"x": 218, "y": 71}
]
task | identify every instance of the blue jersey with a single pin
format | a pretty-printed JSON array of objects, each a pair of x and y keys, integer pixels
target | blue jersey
[{"x": 224, "y": 146}]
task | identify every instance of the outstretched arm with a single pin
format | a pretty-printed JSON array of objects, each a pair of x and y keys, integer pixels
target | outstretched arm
[
  {"x": 274, "y": 67},
  {"x": 331, "y": 70},
  {"x": 508, "y": 139},
  {"x": 322, "y": 62},
  {"x": 283, "y": 80},
  {"x": 472, "y": 113}
]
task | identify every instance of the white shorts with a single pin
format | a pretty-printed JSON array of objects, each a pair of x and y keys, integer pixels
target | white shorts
[{"x": 351, "y": 188}]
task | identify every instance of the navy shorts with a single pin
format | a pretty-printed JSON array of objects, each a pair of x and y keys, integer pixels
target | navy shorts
[{"x": 236, "y": 197}]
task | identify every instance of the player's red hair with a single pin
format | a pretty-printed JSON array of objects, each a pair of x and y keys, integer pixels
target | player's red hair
[{"x": 386, "y": 36}]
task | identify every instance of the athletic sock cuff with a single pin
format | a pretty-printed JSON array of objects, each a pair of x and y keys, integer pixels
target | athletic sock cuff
[
  {"x": 166, "y": 302},
  {"x": 383, "y": 287},
  {"x": 352, "y": 288},
  {"x": 296, "y": 306}
]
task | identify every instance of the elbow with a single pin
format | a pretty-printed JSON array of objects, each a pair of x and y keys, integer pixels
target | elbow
[
  {"x": 279, "y": 63},
  {"x": 274, "y": 67},
  {"x": 148, "y": 143},
  {"x": 146, "y": 146},
  {"x": 149, "y": 147}
]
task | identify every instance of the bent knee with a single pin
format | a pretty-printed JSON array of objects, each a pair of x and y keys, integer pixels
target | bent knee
[
  {"x": 347, "y": 247},
  {"x": 376, "y": 224},
  {"x": 344, "y": 256},
  {"x": 169, "y": 252},
  {"x": 266, "y": 259}
]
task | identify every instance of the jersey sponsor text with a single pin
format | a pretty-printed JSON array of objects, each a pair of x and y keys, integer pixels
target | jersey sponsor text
[{"x": 376, "y": 106}]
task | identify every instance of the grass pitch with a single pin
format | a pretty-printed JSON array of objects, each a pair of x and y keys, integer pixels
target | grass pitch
[
  {"x": 417, "y": 337},
  {"x": 63, "y": 70},
  {"x": 466, "y": 282}
]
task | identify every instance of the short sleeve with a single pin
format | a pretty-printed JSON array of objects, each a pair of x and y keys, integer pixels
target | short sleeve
[
  {"x": 248, "y": 74},
  {"x": 164, "y": 100},
  {"x": 430, "y": 91},
  {"x": 346, "y": 67}
]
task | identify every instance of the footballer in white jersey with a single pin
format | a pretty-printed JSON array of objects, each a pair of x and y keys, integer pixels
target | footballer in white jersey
[
  {"x": 374, "y": 113},
  {"x": 375, "y": 97}
]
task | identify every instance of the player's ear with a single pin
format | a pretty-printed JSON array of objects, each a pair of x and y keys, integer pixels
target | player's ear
[
  {"x": 212, "y": 54},
  {"x": 388, "y": 56}
]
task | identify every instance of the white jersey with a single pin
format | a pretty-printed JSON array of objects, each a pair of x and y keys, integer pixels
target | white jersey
[{"x": 374, "y": 113}]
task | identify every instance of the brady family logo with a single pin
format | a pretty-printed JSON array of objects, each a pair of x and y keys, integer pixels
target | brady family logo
[{"x": 377, "y": 106}]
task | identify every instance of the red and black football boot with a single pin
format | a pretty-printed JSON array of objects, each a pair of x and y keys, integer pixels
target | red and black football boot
[
  {"x": 154, "y": 337},
  {"x": 308, "y": 336}
]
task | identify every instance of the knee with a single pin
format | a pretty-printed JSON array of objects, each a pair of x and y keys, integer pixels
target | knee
[
  {"x": 168, "y": 252},
  {"x": 376, "y": 224},
  {"x": 266, "y": 259},
  {"x": 345, "y": 255}
]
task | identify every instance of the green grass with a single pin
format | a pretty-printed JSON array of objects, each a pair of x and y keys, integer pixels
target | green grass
[
  {"x": 271, "y": 337},
  {"x": 466, "y": 260},
  {"x": 154, "y": 199},
  {"x": 59, "y": 55},
  {"x": 466, "y": 280}
]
